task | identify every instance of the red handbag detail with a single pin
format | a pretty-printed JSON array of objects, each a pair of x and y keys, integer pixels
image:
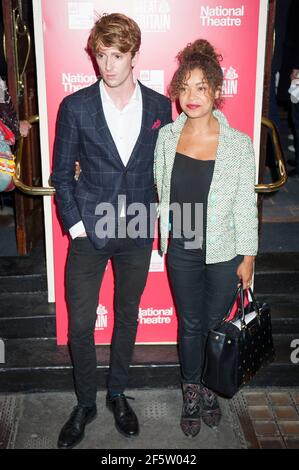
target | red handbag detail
[
  {"x": 237, "y": 305},
  {"x": 7, "y": 133}
]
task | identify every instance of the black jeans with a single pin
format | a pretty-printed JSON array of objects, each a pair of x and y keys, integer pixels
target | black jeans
[
  {"x": 203, "y": 293},
  {"x": 85, "y": 269}
]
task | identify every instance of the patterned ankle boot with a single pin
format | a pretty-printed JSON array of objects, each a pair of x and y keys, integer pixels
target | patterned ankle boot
[
  {"x": 211, "y": 413},
  {"x": 191, "y": 411}
]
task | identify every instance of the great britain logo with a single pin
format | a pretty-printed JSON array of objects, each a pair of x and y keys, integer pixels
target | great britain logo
[
  {"x": 102, "y": 318},
  {"x": 153, "y": 15},
  {"x": 230, "y": 82}
]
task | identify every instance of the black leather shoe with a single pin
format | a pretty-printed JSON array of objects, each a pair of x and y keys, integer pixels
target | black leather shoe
[
  {"x": 73, "y": 431},
  {"x": 126, "y": 421}
]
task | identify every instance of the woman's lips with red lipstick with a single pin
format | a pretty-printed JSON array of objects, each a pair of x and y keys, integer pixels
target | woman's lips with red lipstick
[{"x": 193, "y": 106}]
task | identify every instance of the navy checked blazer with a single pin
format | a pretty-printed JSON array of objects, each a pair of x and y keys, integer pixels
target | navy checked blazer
[{"x": 83, "y": 135}]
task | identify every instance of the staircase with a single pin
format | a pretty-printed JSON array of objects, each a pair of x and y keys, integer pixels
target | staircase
[
  {"x": 35, "y": 363},
  {"x": 277, "y": 283}
]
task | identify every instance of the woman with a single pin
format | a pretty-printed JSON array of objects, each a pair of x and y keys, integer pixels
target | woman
[
  {"x": 8, "y": 114},
  {"x": 10, "y": 129},
  {"x": 203, "y": 162}
]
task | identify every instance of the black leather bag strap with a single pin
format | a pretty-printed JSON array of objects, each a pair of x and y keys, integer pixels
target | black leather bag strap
[
  {"x": 254, "y": 302},
  {"x": 240, "y": 313},
  {"x": 242, "y": 316},
  {"x": 236, "y": 294}
]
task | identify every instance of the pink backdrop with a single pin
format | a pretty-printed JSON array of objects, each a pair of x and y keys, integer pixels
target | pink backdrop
[{"x": 167, "y": 26}]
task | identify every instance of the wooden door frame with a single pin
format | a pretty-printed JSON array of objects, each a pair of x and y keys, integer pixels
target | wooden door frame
[{"x": 266, "y": 100}]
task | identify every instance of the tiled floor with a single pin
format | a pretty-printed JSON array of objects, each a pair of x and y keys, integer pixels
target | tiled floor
[
  {"x": 255, "y": 418},
  {"x": 269, "y": 419}
]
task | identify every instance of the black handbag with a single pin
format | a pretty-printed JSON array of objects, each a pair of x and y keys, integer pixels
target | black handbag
[{"x": 238, "y": 347}]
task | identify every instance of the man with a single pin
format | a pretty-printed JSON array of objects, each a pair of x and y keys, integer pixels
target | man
[{"x": 110, "y": 128}]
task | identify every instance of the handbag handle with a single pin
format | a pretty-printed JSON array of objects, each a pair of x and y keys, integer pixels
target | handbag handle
[
  {"x": 242, "y": 318},
  {"x": 254, "y": 303},
  {"x": 240, "y": 292},
  {"x": 235, "y": 297}
]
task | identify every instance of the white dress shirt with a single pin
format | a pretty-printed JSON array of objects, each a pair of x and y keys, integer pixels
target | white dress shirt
[{"x": 124, "y": 126}]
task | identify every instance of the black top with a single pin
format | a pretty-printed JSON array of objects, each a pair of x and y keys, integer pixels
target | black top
[{"x": 190, "y": 183}]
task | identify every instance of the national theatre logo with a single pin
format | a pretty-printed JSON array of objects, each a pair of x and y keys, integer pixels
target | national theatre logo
[
  {"x": 220, "y": 16},
  {"x": 72, "y": 82},
  {"x": 155, "y": 316}
]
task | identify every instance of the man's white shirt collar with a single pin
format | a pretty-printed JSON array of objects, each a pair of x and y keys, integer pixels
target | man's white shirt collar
[{"x": 136, "y": 96}]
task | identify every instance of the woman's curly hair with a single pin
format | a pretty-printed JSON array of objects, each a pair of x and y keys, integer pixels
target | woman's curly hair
[{"x": 197, "y": 55}]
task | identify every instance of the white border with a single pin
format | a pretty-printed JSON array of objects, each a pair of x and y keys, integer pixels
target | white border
[
  {"x": 44, "y": 142},
  {"x": 259, "y": 79}
]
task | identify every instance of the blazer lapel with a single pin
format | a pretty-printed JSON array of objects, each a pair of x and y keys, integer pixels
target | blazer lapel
[
  {"x": 221, "y": 156},
  {"x": 101, "y": 126},
  {"x": 172, "y": 142},
  {"x": 146, "y": 122}
]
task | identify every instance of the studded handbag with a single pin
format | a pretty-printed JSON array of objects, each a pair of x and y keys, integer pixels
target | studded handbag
[{"x": 238, "y": 346}]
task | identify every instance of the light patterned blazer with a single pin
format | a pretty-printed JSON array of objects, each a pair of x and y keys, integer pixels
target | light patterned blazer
[{"x": 232, "y": 221}]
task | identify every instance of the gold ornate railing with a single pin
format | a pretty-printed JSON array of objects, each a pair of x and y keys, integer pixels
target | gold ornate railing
[
  {"x": 279, "y": 158},
  {"x": 31, "y": 190},
  {"x": 259, "y": 188}
]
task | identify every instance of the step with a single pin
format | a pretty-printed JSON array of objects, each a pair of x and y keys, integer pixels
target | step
[
  {"x": 40, "y": 365},
  {"x": 279, "y": 237},
  {"x": 23, "y": 273},
  {"x": 22, "y": 265},
  {"x": 23, "y": 283},
  {"x": 42, "y": 326},
  {"x": 284, "y": 305},
  {"x": 277, "y": 262},
  {"x": 284, "y": 312},
  {"x": 27, "y": 315},
  {"x": 25, "y": 304},
  {"x": 36, "y": 365},
  {"x": 286, "y": 282},
  {"x": 285, "y": 326},
  {"x": 277, "y": 273}
]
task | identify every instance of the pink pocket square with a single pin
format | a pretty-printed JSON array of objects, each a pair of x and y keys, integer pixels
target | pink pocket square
[{"x": 156, "y": 124}]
